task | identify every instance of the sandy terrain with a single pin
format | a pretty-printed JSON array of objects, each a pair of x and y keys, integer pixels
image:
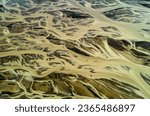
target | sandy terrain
[{"x": 75, "y": 49}]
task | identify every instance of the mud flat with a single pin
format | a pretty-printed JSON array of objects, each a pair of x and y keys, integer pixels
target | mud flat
[{"x": 74, "y": 49}]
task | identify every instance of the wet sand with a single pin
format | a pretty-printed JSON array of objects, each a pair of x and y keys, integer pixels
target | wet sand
[{"x": 69, "y": 49}]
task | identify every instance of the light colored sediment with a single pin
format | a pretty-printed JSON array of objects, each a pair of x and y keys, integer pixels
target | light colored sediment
[{"x": 73, "y": 51}]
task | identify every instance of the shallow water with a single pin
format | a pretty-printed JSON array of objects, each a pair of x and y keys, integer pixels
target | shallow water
[{"x": 73, "y": 49}]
